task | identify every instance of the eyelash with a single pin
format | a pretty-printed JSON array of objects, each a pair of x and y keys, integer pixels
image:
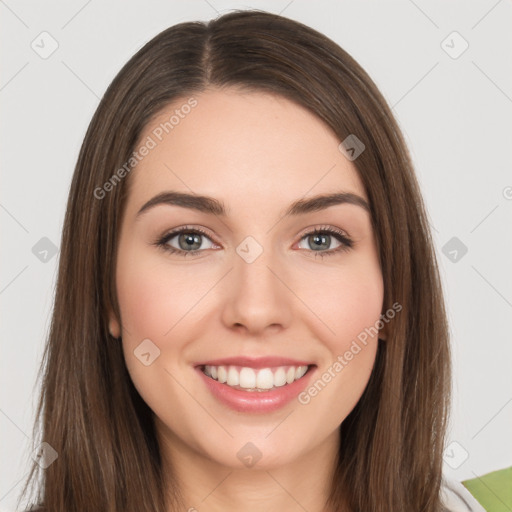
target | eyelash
[{"x": 346, "y": 242}]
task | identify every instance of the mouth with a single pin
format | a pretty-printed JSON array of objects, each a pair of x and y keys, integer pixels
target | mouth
[{"x": 249, "y": 385}]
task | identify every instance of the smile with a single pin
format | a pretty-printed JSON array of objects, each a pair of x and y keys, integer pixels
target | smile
[
  {"x": 251, "y": 379},
  {"x": 259, "y": 386}
]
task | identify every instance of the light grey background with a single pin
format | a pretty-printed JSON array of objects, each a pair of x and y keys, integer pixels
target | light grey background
[{"x": 456, "y": 116}]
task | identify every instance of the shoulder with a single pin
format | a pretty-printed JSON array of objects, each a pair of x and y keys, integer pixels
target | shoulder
[{"x": 456, "y": 498}]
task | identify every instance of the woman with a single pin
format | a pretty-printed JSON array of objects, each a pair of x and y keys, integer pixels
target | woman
[{"x": 248, "y": 314}]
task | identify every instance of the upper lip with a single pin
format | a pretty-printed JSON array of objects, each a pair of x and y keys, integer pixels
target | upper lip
[{"x": 255, "y": 362}]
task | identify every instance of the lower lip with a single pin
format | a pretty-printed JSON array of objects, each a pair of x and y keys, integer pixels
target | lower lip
[{"x": 256, "y": 401}]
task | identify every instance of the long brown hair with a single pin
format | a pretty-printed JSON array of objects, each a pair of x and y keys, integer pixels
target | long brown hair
[{"x": 390, "y": 457}]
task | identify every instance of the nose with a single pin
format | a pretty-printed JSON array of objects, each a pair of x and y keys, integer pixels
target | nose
[{"x": 257, "y": 298}]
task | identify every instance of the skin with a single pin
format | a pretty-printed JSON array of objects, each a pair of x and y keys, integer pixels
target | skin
[{"x": 257, "y": 153}]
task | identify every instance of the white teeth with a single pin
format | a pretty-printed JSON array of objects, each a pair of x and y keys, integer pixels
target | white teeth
[
  {"x": 279, "y": 377},
  {"x": 247, "y": 378},
  {"x": 233, "y": 377},
  {"x": 300, "y": 371},
  {"x": 265, "y": 379},
  {"x": 252, "y": 379},
  {"x": 222, "y": 374},
  {"x": 290, "y": 375}
]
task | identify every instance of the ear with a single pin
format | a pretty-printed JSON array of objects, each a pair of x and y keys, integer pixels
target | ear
[
  {"x": 384, "y": 332},
  {"x": 114, "y": 326}
]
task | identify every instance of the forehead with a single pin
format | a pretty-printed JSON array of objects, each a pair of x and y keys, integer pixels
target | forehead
[{"x": 234, "y": 145}]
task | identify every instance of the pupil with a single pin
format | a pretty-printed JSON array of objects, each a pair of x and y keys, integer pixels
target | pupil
[
  {"x": 320, "y": 240},
  {"x": 189, "y": 240}
]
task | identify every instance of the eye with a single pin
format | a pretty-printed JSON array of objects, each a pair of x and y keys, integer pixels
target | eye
[
  {"x": 185, "y": 241},
  {"x": 188, "y": 240},
  {"x": 321, "y": 238}
]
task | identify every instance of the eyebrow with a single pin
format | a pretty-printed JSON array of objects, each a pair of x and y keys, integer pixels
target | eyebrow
[{"x": 213, "y": 206}]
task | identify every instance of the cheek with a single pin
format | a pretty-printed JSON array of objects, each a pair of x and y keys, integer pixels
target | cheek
[
  {"x": 156, "y": 304},
  {"x": 344, "y": 302},
  {"x": 164, "y": 305},
  {"x": 143, "y": 301},
  {"x": 154, "y": 299},
  {"x": 350, "y": 306}
]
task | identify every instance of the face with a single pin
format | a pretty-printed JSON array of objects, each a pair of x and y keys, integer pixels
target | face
[{"x": 249, "y": 292}]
